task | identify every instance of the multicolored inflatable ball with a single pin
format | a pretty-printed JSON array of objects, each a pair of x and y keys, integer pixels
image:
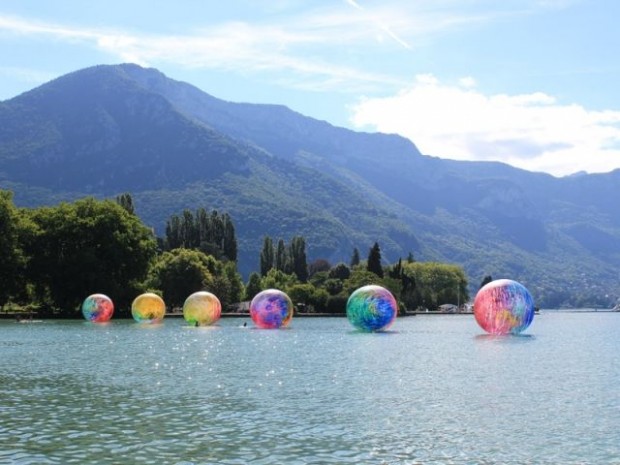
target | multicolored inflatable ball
[
  {"x": 202, "y": 309},
  {"x": 372, "y": 308},
  {"x": 98, "y": 308},
  {"x": 148, "y": 308},
  {"x": 271, "y": 309},
  {"x": 504, "y": 306}
]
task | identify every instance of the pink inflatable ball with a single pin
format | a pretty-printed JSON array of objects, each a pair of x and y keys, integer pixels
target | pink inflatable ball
[
  {"x": 202, "y": 309},
  {"x": 504, "y": 307},
  {"x": 148, "y": 308},
  {"x": 98, "y": 308},
  {"x": 271, "y": 309}
]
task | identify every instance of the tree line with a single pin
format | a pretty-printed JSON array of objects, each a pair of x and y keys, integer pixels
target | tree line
[{"x": 53, "y": 257}]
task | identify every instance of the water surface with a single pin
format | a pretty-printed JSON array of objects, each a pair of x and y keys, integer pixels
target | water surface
[{"x": 434, "y": 390}]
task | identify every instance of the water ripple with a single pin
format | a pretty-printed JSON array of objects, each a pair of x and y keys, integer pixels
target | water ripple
[{"x": 429, "y": 393}]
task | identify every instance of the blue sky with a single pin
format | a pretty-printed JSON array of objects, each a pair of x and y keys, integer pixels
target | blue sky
[{"x": 533, "y": 83}]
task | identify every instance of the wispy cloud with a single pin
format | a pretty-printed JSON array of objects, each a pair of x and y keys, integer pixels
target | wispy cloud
[
  {"x": 292, "y": 48},
  {"x": 532, "y": 131},
  {"x": 378, "y": 22},
  {"x": 307, "y": 45},
  {"x": 29, "y": 27}
]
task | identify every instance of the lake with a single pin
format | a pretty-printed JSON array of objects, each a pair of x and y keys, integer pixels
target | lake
[{"x": 433, "y": 390}]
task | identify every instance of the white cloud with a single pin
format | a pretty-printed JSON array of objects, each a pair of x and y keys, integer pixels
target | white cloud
[
  {"x": 531, "y": 131},
  {"x": 467, "y": 82}
]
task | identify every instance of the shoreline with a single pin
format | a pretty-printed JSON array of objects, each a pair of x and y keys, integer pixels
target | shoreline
[{"x": 17, "y": 316}]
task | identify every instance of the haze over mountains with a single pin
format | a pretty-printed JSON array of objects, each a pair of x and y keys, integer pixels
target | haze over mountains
[{"x": 107, "y": 130}]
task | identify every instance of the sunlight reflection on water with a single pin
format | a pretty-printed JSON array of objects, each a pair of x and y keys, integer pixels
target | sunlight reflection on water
[{"x": 434, "y": 390}]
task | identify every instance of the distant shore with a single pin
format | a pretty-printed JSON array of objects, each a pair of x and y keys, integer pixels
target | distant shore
[{"x": 26, "y": 316}]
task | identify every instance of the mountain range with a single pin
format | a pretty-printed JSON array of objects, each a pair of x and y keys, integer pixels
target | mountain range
[{"x": 111, "y": 129}]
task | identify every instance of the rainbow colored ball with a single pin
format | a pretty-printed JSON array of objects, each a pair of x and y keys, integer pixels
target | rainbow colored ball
[
  {"x": 372, "y": 308},
  {"x": 148, "y": 308},
  {"x": 271, "y": 309},
  {"x": 98, "y": 308},
  {"x": 202, "y": 309},
  {"x": 504, "y": 306}
]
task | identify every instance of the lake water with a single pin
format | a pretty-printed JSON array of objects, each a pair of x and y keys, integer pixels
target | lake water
[{"x": 434, "y": 390}]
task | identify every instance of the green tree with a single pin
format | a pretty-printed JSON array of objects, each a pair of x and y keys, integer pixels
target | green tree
[
  {"x": 179, "y": 273},
  {"x": 340, "y": 271},
  {"x": 236, "y": 287},
  {"x": 12, "y": 264},
  {"x": 222, "y": 289},
  {"x": 355, "y": 258},
  {"x": 318, "y": 300},
  {"x": 277, "y": 279},
  {"x": 188, "y": 232},
  {"x": 253, "y": 287},
  {"x": 85, "y": 247},
  {"x": 360, "y": 278},
  {"x": 282, "y": 257},
  {"x": 173, "y": 238},
  {"x": 298, "y": 258},
  {"x": 318, "y": 279},
  {"x": 333, "y": 286},
  {"x": 374, "y": 260},
  {"x": 266, "y": 256},
  {"x": 301, "y": 293},
  {"x": 437, "y": 283}
]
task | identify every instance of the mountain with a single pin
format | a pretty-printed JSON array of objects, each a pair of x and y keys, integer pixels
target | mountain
[{"x": 110, "y": 129}]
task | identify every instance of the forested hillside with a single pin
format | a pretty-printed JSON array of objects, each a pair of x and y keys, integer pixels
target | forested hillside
[{"x": 113, "y": 129}]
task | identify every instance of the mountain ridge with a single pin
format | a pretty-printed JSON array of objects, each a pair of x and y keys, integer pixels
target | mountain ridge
[{"x": 115, "y": 128}]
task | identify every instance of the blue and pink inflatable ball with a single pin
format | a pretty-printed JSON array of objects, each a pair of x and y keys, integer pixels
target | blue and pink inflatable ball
[{"x": 372, "y": 308}]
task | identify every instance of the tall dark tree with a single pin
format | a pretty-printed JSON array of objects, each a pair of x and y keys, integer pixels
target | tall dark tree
[
  {"x": 266, "y": 256},
  {"x": 126, "y": 201},
  {"x": 486, "y": 280},
  {"x": 298, "y": 258},
  {"x": 229, "y": 245},
  {"x": 410, "y": 258},
  {"x": 281, "y": 256},
  {"x": 188, "y": 230},
  {"x": 396, "y": 271},
  {"x": 173, "y": 238},
  {"x": 203, "y": 227},
  {"x": 209, "y": 227},
  {"x": 217, "y": 229},
  {"x": 211, "y": 233},
  {"x": 374, "y": 260},
  {"x": 355, "y": 258}
]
